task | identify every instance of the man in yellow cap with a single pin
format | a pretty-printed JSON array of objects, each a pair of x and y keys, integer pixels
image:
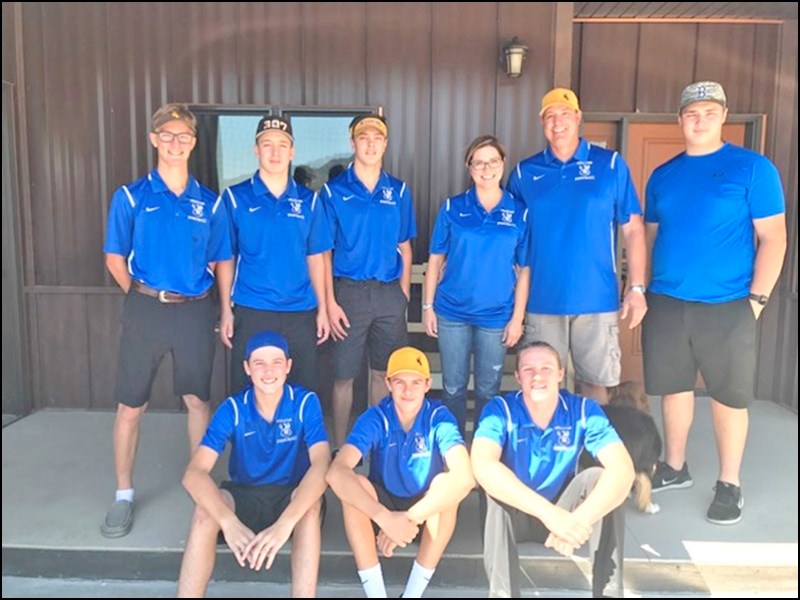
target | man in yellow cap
[
  {"x": 578, "y": 196},
  {"x": 408, "y": 493}
]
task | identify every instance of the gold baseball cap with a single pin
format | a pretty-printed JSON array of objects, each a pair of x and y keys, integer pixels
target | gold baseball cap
[
  {"x": 562, "y": 96},
  {"x": 408, "y": 360}
]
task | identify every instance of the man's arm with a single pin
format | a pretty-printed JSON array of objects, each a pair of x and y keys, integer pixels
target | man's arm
[
  {"x": 316, "y": 272},
  {"x": 266, "y": 544},
  {"x": 635, "y": 303},
  {"x": 201, "y": 487},
  {"x": 336, "y": 316},
  {"x": 225, "y": 284},
  {"x": 117, "y": 265},
  {"x": 405, "y": 277},
  {"x": 433, "y": 273},
  {"x": 345, "y": 483},
  {"x": 448, "y": 488},
  {"x": 613, "y": 486},
  {"x": 771, "y": 234},
  {"x": 501, "y": 483},
  {"x": 651, "y": 232}
]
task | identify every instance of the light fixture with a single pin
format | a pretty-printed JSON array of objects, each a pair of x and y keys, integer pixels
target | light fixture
[{"x": 514, "y": 56}]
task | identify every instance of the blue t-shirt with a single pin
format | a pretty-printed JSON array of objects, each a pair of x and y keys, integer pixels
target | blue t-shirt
[
  {"x": 545, "y": 459},
  {"x": 482, "y": 249},
  {"x": 368, "y": 227},
  {"x": 704, "y": 207},
  {"x": 168, "y": 240},
  {"x": 272, "y": 238},
  {"x": 263, "y": 453},
  {"x": 405, "y": 463},
  {"x": 575, "y": 209}
]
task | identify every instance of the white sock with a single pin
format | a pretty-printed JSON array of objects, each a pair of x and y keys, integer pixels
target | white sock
[
  {"x": 372, "y": 580},
  {"x": 418, "y": 580},
  {"x": 124, "y": 495}
]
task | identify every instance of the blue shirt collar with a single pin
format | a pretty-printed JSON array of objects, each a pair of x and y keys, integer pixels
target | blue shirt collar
[
  {"x": 352, "y": 179},
  {"x": 158, "y": 185},
  {"x": 261, "y": 189},
  {"x": 582, "y": 153}
]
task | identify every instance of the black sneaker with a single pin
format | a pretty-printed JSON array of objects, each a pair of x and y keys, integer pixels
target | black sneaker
[
  {"x": 667, "y": 478},
  {"x": 726, "y": 509}
]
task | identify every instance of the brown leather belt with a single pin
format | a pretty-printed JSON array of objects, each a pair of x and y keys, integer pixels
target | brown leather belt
[{"x": 164, "y": 296}]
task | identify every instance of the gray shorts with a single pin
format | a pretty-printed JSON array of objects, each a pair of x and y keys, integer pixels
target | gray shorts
[
  {"x": 377, "y": 315},
  {"x": 592, "y": 339}
]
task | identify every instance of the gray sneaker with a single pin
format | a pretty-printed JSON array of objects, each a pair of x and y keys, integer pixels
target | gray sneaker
[
  {"x": 119, "y": 519},
  {"x": 667, "y": 478}
]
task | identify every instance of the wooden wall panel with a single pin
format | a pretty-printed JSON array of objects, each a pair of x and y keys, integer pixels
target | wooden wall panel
[
  {"x": 104, "y": 330},
  {"x": 403, "y": 88},
  {"x": 725, "y": 54},
  {"x": 665, "y": 66},
  {"x": 334, "y": 53},
  {"x": 61, "y": 377},
  {"x": 608, "y": 67}
]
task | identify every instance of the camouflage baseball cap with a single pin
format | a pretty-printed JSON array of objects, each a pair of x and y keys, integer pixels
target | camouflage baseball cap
[{"x": 703, "y": 91}]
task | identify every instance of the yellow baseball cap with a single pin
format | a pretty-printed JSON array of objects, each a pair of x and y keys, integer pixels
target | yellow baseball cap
[
  {"x": 408, "y": 360},
  {"x": 562, "y": 96}
]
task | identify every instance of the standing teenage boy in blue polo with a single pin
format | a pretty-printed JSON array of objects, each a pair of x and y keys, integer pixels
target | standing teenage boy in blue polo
[
  {"x": 716, "y": 224},
  {"x": 371, "y": 216},
  {"x": 276, "y": 279},
  {"x": 279, "y": 457},
  {"x": 525, "y": 456},
  {"x": 578, "y": 194},
  {"x": 166, "y": 233},
  {"x": 410, "y": 440}
]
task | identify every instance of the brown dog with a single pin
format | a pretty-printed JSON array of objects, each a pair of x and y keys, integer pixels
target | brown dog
[{"x": 629, "y": 412}]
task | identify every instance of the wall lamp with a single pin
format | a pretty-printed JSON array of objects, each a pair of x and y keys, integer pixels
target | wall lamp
[{"x": 514, "y": 57}]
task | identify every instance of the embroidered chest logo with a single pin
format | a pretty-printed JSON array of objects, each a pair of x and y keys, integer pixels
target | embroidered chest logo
[
  {"x": 285, "y": 428},
  {"x": 507, "y": 217},
  {"x": 584, "y": 171},
  {"x": 387, "y": 196},
  {"x": 297, "y": 208},
  {"x": 564, "y": 437},
  {"x": 420, "y": 445},
  {"x": 198, "y": 211}
]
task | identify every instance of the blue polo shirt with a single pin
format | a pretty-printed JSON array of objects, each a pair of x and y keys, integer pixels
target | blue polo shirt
[
  {"x": 368, "y": 226},
  {"x": 168, "y": 240},
  {"x": 271, "y": 239},
  {"x": 545, "y": 459},
  {"x": 405, "y": 463},
  {"x": 575, "y": 209},
  {"x": 482, "y": 249},
  {"x": 263, "y": 453},
  {"x": 704, "y": 207}
]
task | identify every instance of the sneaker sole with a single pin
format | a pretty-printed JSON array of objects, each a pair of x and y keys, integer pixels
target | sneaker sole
[
  {"x": 116, "y": 532},
  {"x": 675, "y": 486},
  {"x": 718, "y": 522}
]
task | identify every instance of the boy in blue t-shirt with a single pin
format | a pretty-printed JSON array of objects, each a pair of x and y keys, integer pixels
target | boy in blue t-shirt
[
  {"x": 279, "y": 457},
  {"x": 410, "y": 440}
]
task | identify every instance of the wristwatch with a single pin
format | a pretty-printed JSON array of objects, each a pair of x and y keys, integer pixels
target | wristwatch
[
  {"x": 760, "y": 298},
  {"x": 638, "y": 288},
  {"x": 427, "y": 306}
]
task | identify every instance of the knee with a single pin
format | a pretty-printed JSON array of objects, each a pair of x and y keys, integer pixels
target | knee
[
  {"x": 195, "y": 404},
  {"x": 314, "y": 513},
  {"x": 130, "y": 416},
  {"x": 201, "y": 519}
]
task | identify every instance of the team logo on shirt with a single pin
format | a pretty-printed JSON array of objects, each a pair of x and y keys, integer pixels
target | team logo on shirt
[
  {"x": 297, "y": 208},
  {"x": 285, "y": 429},
  {"x": 584, "y": 170},
  {"x": 420, "y": 446},
  {"x": 198, "y": 211},
  {"x": 387, "y": 196},
  {"x": 506, "y": 217},
  {"x": 564, "y": 435}
]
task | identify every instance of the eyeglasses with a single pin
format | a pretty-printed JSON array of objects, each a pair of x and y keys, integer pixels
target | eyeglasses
[
  {"x": 480, "y": 165},
  {"x": 167, "y": 137}
]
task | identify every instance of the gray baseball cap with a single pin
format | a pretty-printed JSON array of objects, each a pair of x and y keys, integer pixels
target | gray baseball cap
[{"x": 703, "y": 91}]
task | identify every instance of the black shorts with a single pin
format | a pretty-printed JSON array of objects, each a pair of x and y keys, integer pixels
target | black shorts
[
  {"x": 300, "y": 331},
  {"x": 394, "y": 503},
  {"x": 679, "y": 338},
  {"x": 377, "y": 315},
  {"x": 259, "y": 506},
  {"x": 151, "y": 329}
]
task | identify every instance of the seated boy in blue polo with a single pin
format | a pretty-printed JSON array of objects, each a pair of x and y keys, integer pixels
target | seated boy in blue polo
[
  {"x": 525, "y": 456},
  {"x": 278, "y": 460},
  {"x": 411, "y": 440}
]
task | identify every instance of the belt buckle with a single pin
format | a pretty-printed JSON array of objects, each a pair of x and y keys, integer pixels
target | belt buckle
[{"x": 162, "y": 297}]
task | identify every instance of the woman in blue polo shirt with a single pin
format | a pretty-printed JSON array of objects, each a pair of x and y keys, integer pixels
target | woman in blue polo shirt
[{"x": 476, "y": 284}]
